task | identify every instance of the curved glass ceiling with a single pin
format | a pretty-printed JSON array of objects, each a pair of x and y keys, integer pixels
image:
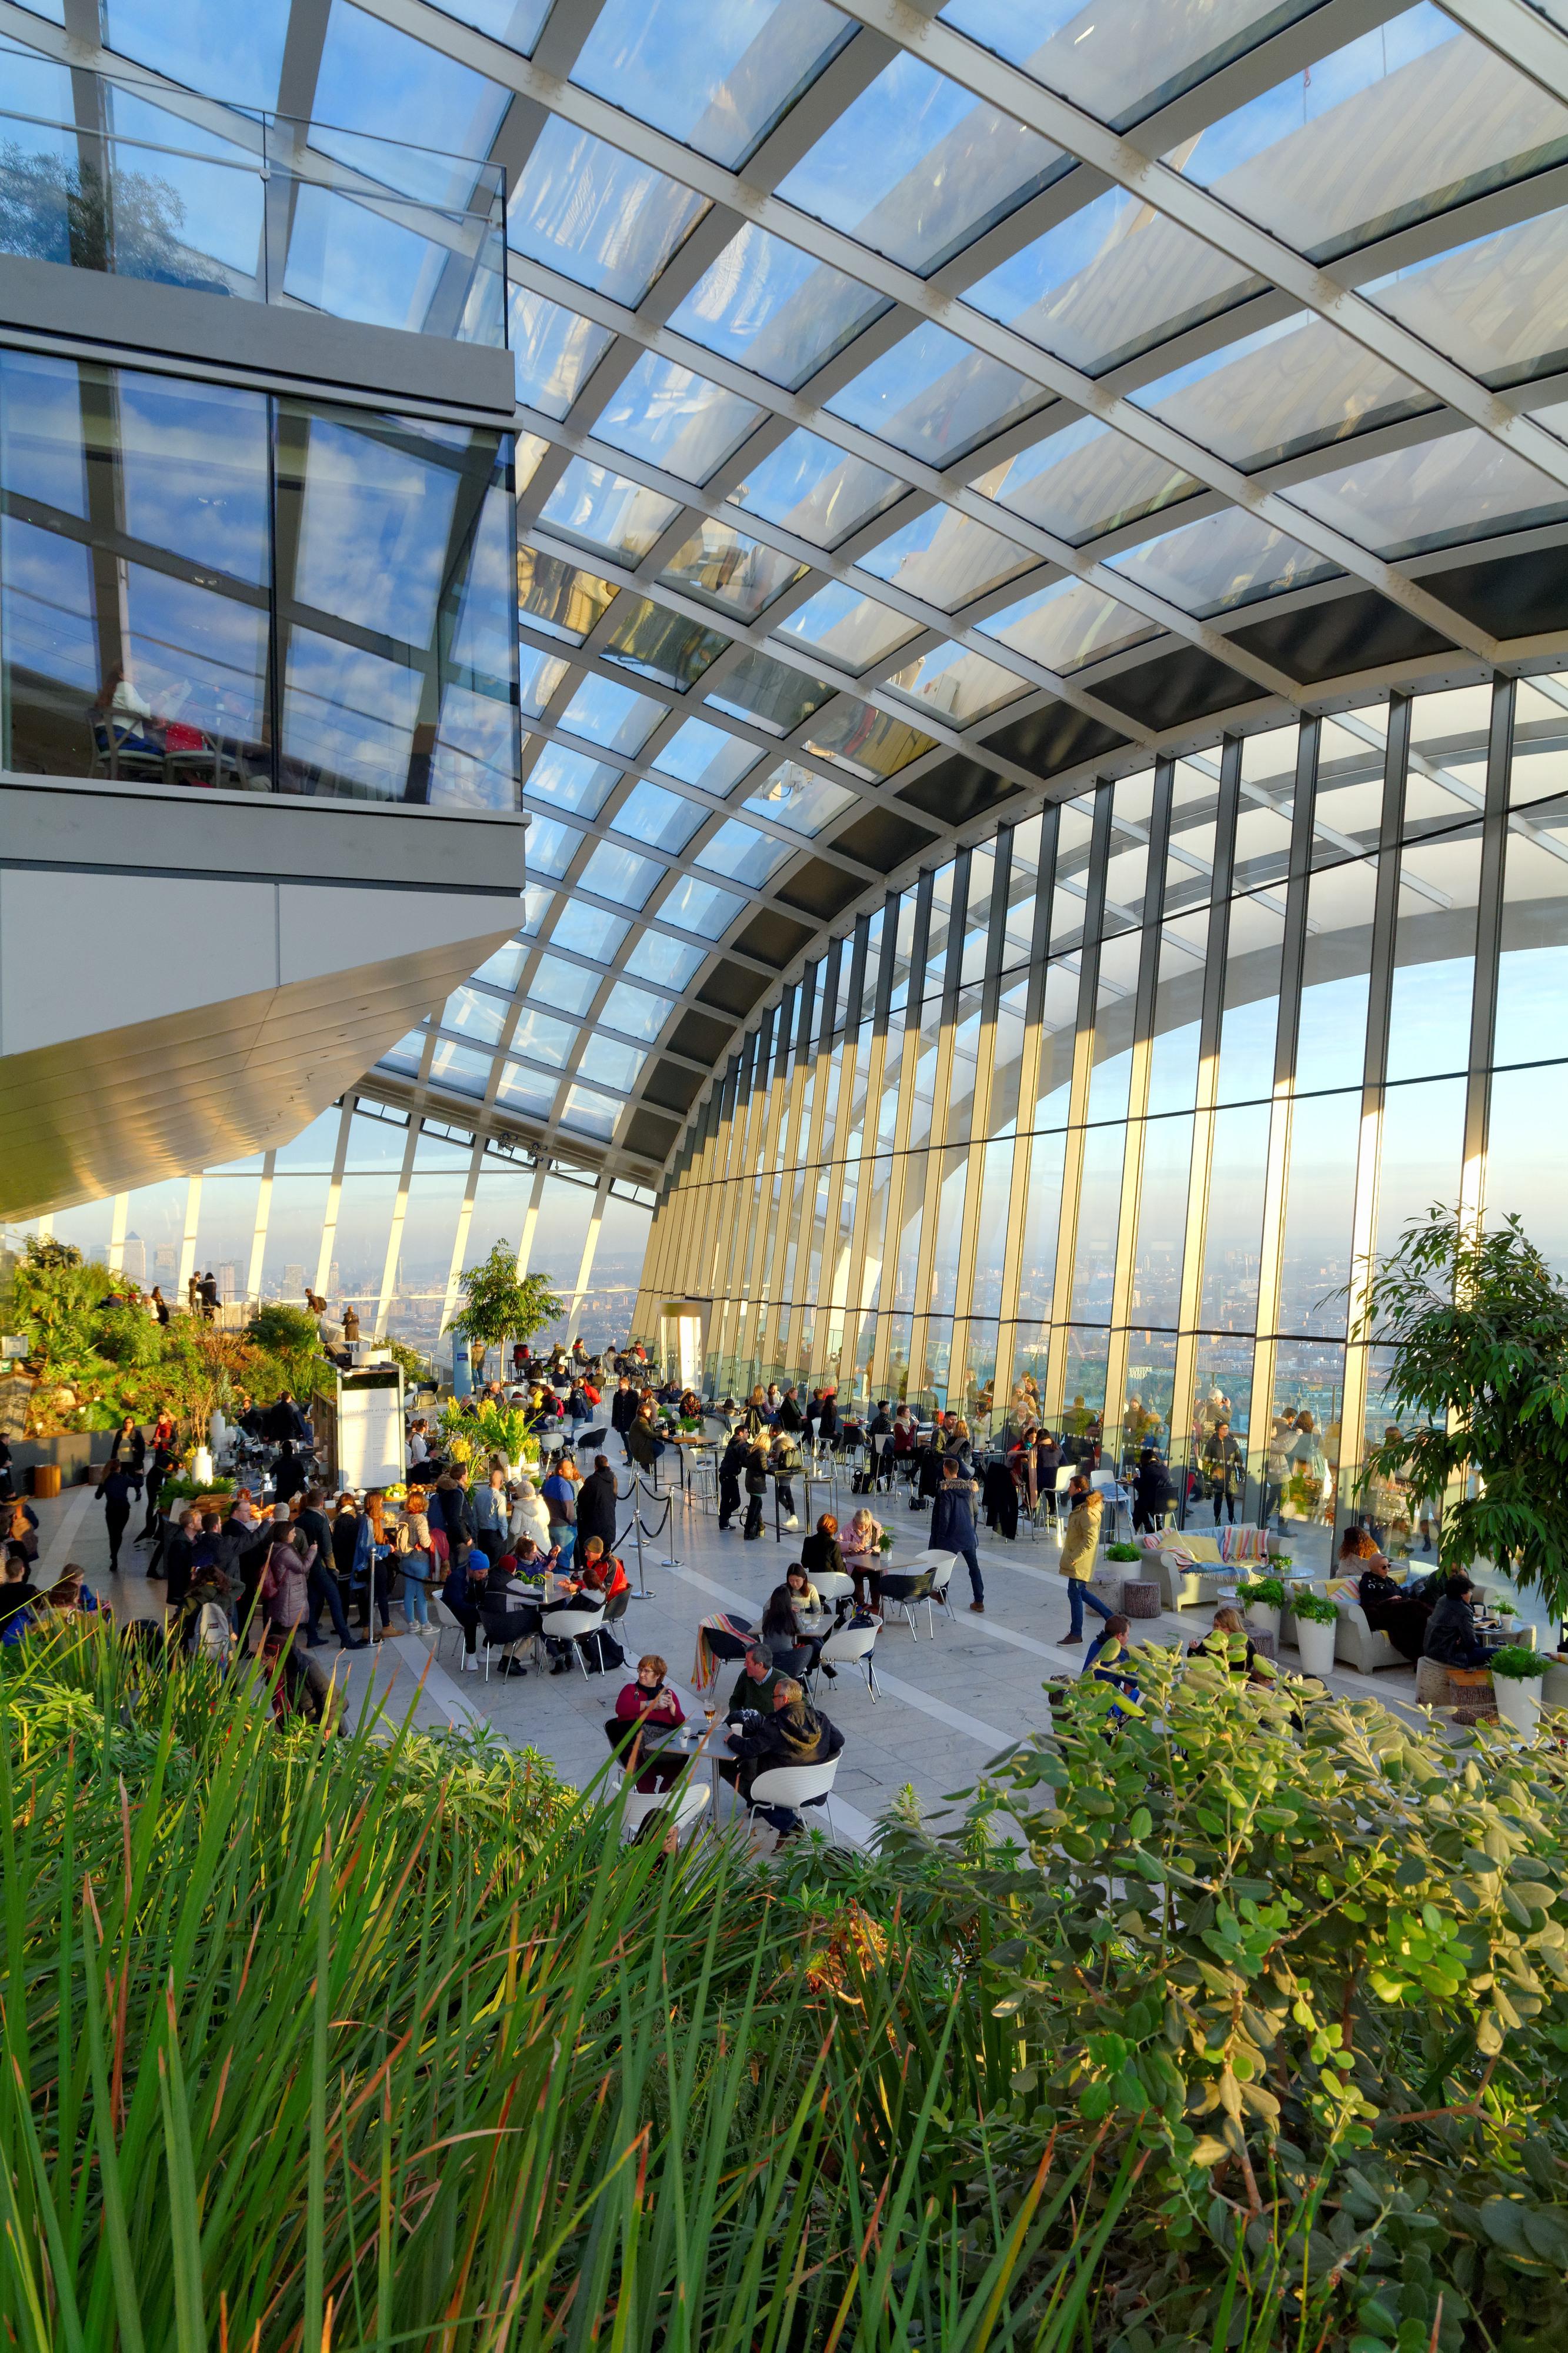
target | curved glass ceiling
[{"x": 906, "y": 429}]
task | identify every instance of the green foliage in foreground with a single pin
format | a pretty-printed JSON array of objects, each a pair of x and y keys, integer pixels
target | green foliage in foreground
[
  {"x": 391, "y": 2042},
  {"x": 1202, "y": 2030},
  {"x": 1315, "y": 1966}
]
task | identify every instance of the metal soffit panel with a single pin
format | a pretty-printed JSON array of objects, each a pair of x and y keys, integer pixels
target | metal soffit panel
[{"x": 890, "y": 381}]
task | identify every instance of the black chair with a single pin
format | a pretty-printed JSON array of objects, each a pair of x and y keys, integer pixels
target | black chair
[
  {"x": 589, "y": 1438},
  {"x": 903, "y": 1591}
]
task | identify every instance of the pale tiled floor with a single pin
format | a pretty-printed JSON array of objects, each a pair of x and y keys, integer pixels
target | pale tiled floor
[{"x": 946, "y": 1706}]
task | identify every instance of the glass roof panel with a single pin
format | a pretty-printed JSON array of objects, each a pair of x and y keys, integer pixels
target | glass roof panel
[
  {"x": 946, "y": 558},
  {"x": 540, "y": 674},
  {"x": 1463, "y": 486},
  {"x": 1404, "y": 123},
  {"x": 773, "y": 308},
  {"x": 1086, "y": 481},
  {"x": 408, "y": 1054},
  {"x": 742, "y": 854},
  {"x": 869, "y": 742},
  {"x": 916, "y": 168},
  {"x": 554, "y": 351},
  {"x": 462, "y": 1068},
  {"x": 567, "y": 986},
  {"x": 616, "y": 873},
  {"x": 934, "y": 398},
  {"x": 852, "y": 630},
  {"x": 611, "y": 715},
  {"x": 550, "y": 847},
  {"x": 382, "y": 83},
  {"x": 700, "y": 907},
  {"x": 1289, "y": 387},
  {"x": 1499, "y": 305},
  {"x": 504, "y": 969},
  {"x": 608, "y": 513},
  {"x": 536, "y": 905},
  {"x": 595, "y": 215},
  {"x": 596, "y": 1115},
  {"x": 558, "y": 598},
  {"x": 570, "y": 781},
  {"x": 660, "y": 959},
  {"x": 661, "y": 645},
  {"x": 961, "y": 685},
  {"x": 515, "y": 22},
  {"x": 478, "y": 1015},
  {"x": 675, "y": 419},
  {"x": 239, "y": 53},
  {"x": 716, "y": 76},
  {"x": 772, "y": 696},
  {"x": 1121, "y": 65},
  {"x": 1068, "y": 624},
  {"x": 634, "y": 1010},
  {"x": 658, "y": 819},
  {"x": 707, "y": 757},
  {"x": 543, "y": 1039},
  {"x": 525, "y": 1091},
  {"x": 737, "y": 574},
  {"x": 588, "y": 931},
  {"x": 792, "y": 796},
  {"x": 1227, "y": 559},
  {"x": 813, "y": 489},
  {"x": 1111, "y": 280},
  {"x": 609, "y": 1063}
]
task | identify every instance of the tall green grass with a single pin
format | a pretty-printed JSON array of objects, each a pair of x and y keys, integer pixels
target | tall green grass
[{"x": 386, "y": 2042}]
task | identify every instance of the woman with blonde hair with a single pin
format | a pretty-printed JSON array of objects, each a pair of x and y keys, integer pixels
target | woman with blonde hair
[{"x": 861, "y": 1552}]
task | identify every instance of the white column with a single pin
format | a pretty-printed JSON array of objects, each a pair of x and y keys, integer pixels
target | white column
[
  {"x": 334, "y": 1194},
  {"x": 188, "y": 1239},
  {"x": 590, "y": 1245},
  {"x": 531, "y": 1216},
  {"x": 119, "y": 1219},
  {"x": 460, "y": 1239},
  {"x": 258, "y": 1239},
  {"x": 394, "y": 1238}
]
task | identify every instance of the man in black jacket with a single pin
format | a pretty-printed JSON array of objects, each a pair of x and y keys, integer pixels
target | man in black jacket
[
  {"x": 793, "y": 1735},
  {"x": 597, "y": 1502},
  {"x": 732, "y": 1463},
  {"x": 288, "y": 1475},
  {"x": 623, "y": 1412},
  {"x": 320, "y": 1582},
  {"x": 284, "y": 1419},
  {"x": 115, "y": 1491},
  {"x": 790, "y": 1415}
]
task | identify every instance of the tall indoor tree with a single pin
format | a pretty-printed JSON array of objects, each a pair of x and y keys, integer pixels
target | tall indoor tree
[
  {"x": 1476, "y": 1326},
  {"x": 500, "y": 1304}
]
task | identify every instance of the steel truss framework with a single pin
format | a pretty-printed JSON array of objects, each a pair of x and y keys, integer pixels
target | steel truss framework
[
  {"x": 891, "y": 825},
  {"x": 956, "y": 1153}
]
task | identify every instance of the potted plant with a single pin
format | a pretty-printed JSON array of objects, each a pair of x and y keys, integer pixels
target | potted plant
[
  {"x": 501, "y": 1303},
  {"x": 1516, "y": 1685},
  {"x": 885, "y": 1541},
  {"x": 1316, "y": 1621},
  {"x": 1262, "y": 1598},
  {"x": 1122, "y": 1552}
]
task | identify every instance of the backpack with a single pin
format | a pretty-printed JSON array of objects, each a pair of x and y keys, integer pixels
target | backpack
[{"x": 211, "y": 1639}]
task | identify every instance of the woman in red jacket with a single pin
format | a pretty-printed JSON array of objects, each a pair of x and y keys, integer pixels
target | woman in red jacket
[{"x": 648, "y": 1707}]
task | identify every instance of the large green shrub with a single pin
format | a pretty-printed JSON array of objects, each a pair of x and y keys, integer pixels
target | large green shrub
[{"x": 1313, "y": 1968}]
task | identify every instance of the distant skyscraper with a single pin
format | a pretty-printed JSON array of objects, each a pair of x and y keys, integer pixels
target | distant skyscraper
[
  {"x": 165, "y": 1261},
  {"x": 134, "y": 1262},
  {"x": 293, "y": 1282},
  {"x": 230, "y": 1280}
]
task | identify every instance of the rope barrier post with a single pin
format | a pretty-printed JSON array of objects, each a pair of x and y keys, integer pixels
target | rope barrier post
[{"x": 672, "y": 1558}]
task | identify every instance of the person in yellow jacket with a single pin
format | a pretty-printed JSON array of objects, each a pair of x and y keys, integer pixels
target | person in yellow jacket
[{"x": 1080, "y": 1543}]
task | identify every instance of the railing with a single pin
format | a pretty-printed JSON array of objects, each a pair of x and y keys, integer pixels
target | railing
[{"x": 256, "y": 206}]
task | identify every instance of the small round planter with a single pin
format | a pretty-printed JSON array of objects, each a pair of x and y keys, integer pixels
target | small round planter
[
  {"x": 1518, "y": 1703},
  {"x": 1315, "y": 1646}
]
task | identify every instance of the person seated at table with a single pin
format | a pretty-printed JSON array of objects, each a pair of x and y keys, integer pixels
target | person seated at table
[
  {"x": 793, "y": 1652},
  {"x": 509, "y": 1611},
  {"x": 821, "y": 1554},
  {"x": 1451, "y": 1636},
  {"x": 600, "y": 1571},
  {"x": 753, "y": 1692},
  {"x": 649, "y": 1707},
  {"x": 784, "y": 1464},
  {"x": 1403, "y": 1617},
  {"x": 1219, "y": 1644},
  {"x": 1107, "y": 1659},
  {"x": 791, "y": 1733}
]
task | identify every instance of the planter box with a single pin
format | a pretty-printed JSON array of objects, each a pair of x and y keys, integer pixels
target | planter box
[
  {"x": 1315, "y": 1646},
  {"x": 1518, "y": 1703},
  {"x": 1263, "y": 1617}
]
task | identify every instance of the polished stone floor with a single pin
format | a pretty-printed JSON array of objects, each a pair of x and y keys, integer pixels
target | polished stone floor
[{"x": 946, "y": 1703}]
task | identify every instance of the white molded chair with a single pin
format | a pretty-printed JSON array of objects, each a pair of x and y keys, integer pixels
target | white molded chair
[
  {"x": 834, "y": 1586},
  {"x": 565, "y": 1624},
  {"x": 851, "y": 1646},
  {"x": 684, "y": 1804},
  {"x": 797, "y": 1786}
]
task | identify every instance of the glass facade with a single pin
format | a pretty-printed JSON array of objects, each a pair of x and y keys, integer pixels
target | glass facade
[
  {"x": 205, "y": 585},
  {"x": 368, "y": 1207},
  {"x": 1104, "y": 1118}
]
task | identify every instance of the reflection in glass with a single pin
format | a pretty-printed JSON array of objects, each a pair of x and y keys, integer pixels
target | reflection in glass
[
  {"x": 1085, "y": 479},
  {"x": 935, "y": 396},
  {"x": 1290, "y": 386},
  {"x": 675, "y": 419},
  {"x": 663, "y": 820},
  {"x": 706, "y": 756},
  {"x": 946, "y": 558},
  {"x": 871, "y": 743},
  {"x": 792, "y": 796},
  {"x": 960, "y": 685},
  {"x": 611, "y": 715},
  {"x": 608, "y": 513},
  {"x": 775, "y": 698},
  {"x": 554, "y": 351},
  {"x": 852, "y": 630},
  {"x": 595, "y": 215},
  {"x": 773, "y": 308},
  {"x": 716, "y": 78},
  {"x": 1067, "y": 624},
  {"x": 814, "y": 490},
  {"x": 1228, "y": 559},
  {"x": 1464, "y": 486},
  {"x": 658, "y": 644},
  {"x": 737, "y": 574}
]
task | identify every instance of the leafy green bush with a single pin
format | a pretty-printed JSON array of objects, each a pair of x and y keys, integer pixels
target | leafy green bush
[
  {"x": 1309, "y": 1965},
  {"x": 1122, "y": 1552},
  {"x": 1267, "y": 1592},
  {"x": 1315, "y": 1609},
  {"x": 1518, "y": 1665}
]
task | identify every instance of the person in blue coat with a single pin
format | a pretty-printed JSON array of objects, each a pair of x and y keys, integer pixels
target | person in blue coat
[{"x": 953, "y": 1524}]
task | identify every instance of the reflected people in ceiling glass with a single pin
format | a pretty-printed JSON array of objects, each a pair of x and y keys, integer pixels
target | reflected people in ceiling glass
[
  {"x": 961, "y": 685},
  {"x": 737, "y": 574},
  {"x": 792, "y": 795}
]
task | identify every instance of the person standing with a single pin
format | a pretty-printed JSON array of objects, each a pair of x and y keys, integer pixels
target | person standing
[
  {"x": 114, "y": 1491},
  {"x": 1225, "y": 1468},
  {"x": 953, "y": 1524},
  {"x": 756, "y": 1488},
  {"x": 732, "y": 1468},
  {"x": 558, "y": 1497},
  {"x": 622, "y": 1413},
  {"x": 1081, "y": 1542},
  {"x": 491, "y": 1515},
  {"x": 596, "y": 1500},
  {"x": 323, "y": 1585}
]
